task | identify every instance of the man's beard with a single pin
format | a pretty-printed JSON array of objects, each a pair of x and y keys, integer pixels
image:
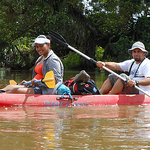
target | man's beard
[{"x": 137, "y": 59}]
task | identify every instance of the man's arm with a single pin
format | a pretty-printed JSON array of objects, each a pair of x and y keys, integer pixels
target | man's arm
[
  {"x": 110, "y": 65},
  {"x": 143, "y": 82}
]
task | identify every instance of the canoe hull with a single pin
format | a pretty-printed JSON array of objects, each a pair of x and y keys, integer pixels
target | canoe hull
[{"x": 57, "y": 100}]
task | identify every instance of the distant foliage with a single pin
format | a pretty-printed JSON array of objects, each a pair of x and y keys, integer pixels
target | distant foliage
[
  {"x": 91, "y": 26},
  {"x": 23, "y": 43},
  {"x": 142, "y": 29},
  {"x": 119, "y": 49},
  {"x": 72, "y": 61},
  {"x": 99, "y": 53}
]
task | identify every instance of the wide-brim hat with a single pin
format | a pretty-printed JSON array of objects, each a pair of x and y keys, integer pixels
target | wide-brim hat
[
  {"x": 41, "y": 39},
  {"x": 139, "y": 45}
]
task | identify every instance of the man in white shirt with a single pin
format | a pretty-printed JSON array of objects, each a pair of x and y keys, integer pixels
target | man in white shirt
[{"x": 138, "y": 69}]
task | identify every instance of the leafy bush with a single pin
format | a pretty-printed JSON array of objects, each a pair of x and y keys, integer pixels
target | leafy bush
[
  {"x": 120, "y": 49},
  {"x": 23, "y": 43},
  {"x": 72, "y": 61},
  {"x": 99, "y": 53}
]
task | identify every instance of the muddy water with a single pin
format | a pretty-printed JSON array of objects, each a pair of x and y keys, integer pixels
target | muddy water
[{"x": 102, "y": 127}]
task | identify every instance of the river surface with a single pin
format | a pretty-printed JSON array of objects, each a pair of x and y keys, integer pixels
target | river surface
[{"x": 63, "y": 128}]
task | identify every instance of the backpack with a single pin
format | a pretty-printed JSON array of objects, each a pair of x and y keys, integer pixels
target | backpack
[{"x": 82, "y": 88}]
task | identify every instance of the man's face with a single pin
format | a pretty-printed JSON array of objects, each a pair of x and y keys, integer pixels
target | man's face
[{"x": 138, "y": 55}]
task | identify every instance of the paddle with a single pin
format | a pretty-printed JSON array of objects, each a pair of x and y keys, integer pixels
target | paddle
[
  {"x": 49, "y": 80},
  {"x": 60, "y": 40}
]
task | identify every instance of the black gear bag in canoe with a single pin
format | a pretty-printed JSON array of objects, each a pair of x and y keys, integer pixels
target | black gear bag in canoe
[{"x": 82, "y": 88}]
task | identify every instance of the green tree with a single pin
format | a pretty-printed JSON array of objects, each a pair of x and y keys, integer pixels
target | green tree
[{"x": 103, "y": 24}]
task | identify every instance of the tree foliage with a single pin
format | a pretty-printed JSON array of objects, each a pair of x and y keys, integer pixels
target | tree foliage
[{"x": 113, "y": 25}]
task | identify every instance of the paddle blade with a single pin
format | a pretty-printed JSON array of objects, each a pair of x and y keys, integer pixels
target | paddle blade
[
  {"x": 57, "y": 38},
  {"x": 49, "y": 79},
  {"x": 12, "y": 82}
]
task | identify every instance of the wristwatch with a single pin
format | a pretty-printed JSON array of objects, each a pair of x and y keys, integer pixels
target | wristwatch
[{"x": 137, "y": 82}]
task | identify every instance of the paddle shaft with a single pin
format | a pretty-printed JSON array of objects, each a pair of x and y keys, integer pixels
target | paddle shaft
[
  {"x": 37, "y": 81},
  {"x": 29, "y": 82},
  {"x": 59, "y": 39},
  {"x": 80, "y": 53}
]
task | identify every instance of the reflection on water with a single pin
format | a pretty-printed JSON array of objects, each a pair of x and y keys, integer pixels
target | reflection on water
[
  {"x": 100, "y": 127},
  {"x": 18, "y": 76}
]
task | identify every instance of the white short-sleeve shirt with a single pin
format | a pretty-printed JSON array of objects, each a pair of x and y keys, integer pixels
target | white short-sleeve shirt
[{"x": 138, "y": 71}]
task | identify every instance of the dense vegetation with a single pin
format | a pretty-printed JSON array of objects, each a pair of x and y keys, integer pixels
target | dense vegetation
[{"x": 102, "y": 29}]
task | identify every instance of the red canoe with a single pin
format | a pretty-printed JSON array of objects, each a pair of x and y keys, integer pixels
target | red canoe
[{"x": 79, "y": 100}]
